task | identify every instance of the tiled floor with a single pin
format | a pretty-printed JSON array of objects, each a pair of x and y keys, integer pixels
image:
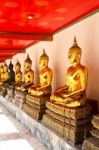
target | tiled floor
[{"x": 14, "y": 136}]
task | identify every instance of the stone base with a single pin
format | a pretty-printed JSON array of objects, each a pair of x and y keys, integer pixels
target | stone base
[
  {"x": 72, "y": 133},
  {"x": 44, "y": 134},
  {"x": 73, "y": 122},
  {"x": 19, "y": 98},
  {"x": 3, "y": 90},
  {"x": 33, "y": 112},
  {"x": 57, "y": 126},
  {"x": 95, "y": 133},
  {"x": 95, "y": 121},
  {"x": 77, "y": 135},
  {"x": 91, "y": 144},
  {"x": 39, "y": 100},
  {"x": 10, "y": 93},
  {"x": 74, "y": 113},
  {"x": 3, "y": 93},
  {"x": 35, "y": 106}
]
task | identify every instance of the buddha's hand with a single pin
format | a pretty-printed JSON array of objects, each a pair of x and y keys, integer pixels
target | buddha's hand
[
  {"x": 52, "y": 97},
  {"x": 66, "y": 94},
  {"x": 22, "y": 88},
  {"x": 39, "y": 88},
  {"x": 29, "y": 90}
]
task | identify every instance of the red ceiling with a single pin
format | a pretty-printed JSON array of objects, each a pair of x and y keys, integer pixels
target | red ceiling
[{"x": 23, "y": 22}]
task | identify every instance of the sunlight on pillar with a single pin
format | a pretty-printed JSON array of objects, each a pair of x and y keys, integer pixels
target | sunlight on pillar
[
  {"x": 6, "y": 126},
  {"x": 19, "y": 144}
]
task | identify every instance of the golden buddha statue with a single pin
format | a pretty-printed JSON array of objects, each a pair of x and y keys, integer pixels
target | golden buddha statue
[
  {"x": 45, "y": 76},
  {"x": 1, "y": 74},
  {"x": 11, "y": 75},
  {"x": 18, "y": 73},
  {"x": 73, "y": 94},
  {"x": 4, "y": 79},
  {"x": 28, "y": 75},
  {"x": 5, "y": 72}
]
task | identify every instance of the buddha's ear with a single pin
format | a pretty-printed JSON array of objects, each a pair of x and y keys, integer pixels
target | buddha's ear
[
  {"x": 79, "y": 56},
  {"x": 46, "y": 62}
]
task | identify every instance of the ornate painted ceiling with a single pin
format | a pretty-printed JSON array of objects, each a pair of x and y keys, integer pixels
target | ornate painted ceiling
[{"x": 24, "y": 22}]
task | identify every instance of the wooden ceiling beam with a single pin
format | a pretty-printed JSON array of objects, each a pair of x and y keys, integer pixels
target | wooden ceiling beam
[
  {"x": 11, "y": 48},
  {"x": 8, "y": 51},
  {"x": 26, "y": 36}
]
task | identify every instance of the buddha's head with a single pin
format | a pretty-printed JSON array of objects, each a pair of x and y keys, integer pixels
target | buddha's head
[
  {"x": 74, "y": 54},
  {"x": 10, "y": 66},
  {"x": 44, "y": 59},
  {"x": 17, "y": 66},
  {"x": 5, "y": 68},
  {"x": 27, "y": 63}
]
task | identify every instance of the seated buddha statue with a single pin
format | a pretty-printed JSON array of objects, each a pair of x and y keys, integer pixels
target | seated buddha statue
[
  {"x": 11, "y": 78},
  {"x": 11, "y": 73},
  {"x": 45, "y": 76},
  {"x": 4, "y": 79},
  {"x": 1, "y": 75},
  {"x": 18, "y": 74},
  {"x": 73, "y": 93},
  {"x": 5, "y": 72},
  {"x": 28, "y": 75}
]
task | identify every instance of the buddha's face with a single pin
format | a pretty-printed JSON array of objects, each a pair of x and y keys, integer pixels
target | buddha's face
[
  {"x": 1, "y": 69},
  {"x": 5, "y": 68},
  {"x": 74, "y": 58},
  {"x": 17, "y": 68},
  {"x": 27, "y": 66},
  {"x": 43, "y": 63}
]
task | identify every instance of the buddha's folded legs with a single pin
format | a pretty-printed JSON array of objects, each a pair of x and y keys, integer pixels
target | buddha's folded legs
[
  {"x": 75, "y": 100},
  {"x": 39, "y": 90},
  {"x": 58, "y": 99},
  {"x": 33, "y": 89}
]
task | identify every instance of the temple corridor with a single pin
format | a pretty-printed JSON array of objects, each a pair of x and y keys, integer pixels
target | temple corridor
[{"x": 15, "y": 136}]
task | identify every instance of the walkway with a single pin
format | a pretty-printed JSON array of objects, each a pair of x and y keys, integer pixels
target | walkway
[{"x": 14, "y": 136}]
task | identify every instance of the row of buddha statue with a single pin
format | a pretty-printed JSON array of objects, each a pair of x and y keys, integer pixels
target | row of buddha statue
[
  {"x": 76, "y": 79},
  {"x": 38, "y": 99}
]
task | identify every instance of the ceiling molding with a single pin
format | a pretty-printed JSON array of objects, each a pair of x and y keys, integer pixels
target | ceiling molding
[{"x": 26, "y": 36}]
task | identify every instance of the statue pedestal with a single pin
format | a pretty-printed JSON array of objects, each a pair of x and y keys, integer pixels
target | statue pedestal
[
  {"x": 72, "y": 123},
  {"x": 44, "y": 134},
  {"x": 92, "y": 143},
  {"x": 35, "y": 106},
  {"x": 10, "y": 93},
  {"x": 19, "y": 98},
  {"x": 3, "y": 90}
]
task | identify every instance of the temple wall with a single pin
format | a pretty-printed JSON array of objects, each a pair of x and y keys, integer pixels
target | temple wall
[{"x": 87, "y": 34}]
